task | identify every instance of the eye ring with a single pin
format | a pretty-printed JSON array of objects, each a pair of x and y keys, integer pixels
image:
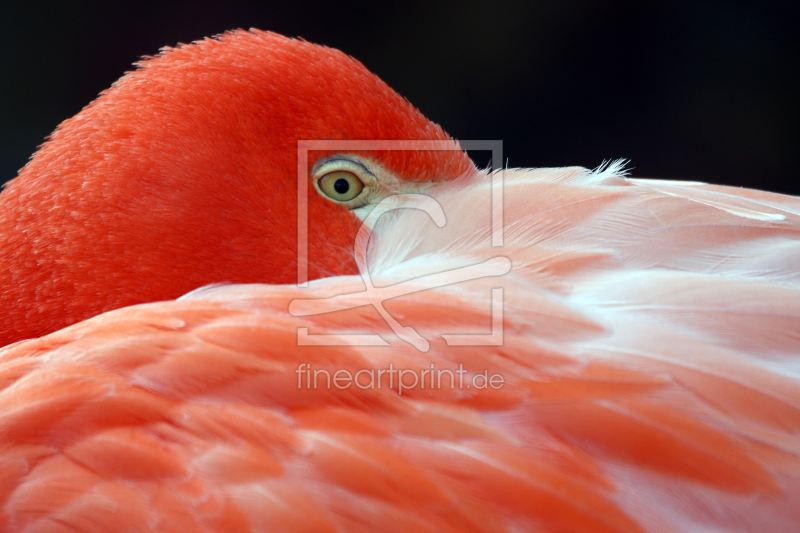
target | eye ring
[
  {"x": 343, "y": 180},
  {"x": 340, "y": 185}
]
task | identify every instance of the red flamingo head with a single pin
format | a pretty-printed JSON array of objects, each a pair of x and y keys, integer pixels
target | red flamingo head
[{"x": 184, "y": 173}]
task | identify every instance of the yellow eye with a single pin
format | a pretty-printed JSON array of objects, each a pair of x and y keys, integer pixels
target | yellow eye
[{"x": 340, "y": 185}]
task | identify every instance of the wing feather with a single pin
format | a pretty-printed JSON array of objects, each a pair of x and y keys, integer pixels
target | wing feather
[{"x": 649, "y": 366}]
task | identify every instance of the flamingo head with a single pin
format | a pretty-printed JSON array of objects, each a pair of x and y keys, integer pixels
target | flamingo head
[{"x": 185, "y": 173}]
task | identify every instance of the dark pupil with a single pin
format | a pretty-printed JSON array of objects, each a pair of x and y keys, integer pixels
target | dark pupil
[{"x": 341, "y": 186}]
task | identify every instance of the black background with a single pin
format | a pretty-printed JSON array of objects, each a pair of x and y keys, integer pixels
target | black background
[{"x": 702, "y": 91}]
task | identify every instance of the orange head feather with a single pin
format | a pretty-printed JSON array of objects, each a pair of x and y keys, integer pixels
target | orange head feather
[{"x": 184, "y": 173}]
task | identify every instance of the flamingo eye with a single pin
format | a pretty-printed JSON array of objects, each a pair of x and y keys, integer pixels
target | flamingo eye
[{"x": 340, "y": 185}]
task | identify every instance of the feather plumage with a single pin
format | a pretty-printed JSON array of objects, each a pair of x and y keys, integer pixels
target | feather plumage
[{"x": 649, "y": 365}]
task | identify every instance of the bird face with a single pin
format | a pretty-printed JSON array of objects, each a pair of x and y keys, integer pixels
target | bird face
[
  {"x": 359, "y": 183},
  {"x": 185, "y": 173}
]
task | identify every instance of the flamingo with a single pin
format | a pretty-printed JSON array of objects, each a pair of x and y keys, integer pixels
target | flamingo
[{"x": 607, "y": 354}]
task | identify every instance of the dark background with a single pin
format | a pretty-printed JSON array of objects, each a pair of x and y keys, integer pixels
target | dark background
[{"x": 702, "y": 91}]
